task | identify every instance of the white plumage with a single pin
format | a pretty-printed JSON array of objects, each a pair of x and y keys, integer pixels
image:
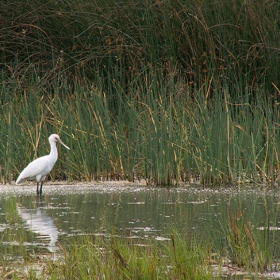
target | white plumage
[{"x": 41, "y": 167}]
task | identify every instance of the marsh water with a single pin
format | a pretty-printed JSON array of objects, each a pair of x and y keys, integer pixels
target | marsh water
[{"x": 130, "y": 211}]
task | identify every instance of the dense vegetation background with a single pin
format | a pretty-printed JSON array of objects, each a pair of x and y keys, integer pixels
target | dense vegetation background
[{"x": 167, "y": 90}]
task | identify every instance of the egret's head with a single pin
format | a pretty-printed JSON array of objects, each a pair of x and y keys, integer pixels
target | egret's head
[{"x": 55, "y": 138}]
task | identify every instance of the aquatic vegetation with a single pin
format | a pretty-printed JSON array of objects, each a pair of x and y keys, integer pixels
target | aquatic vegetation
[
  {"x": 249, "y": 242},
  {"x": 163, "y": 141},
  {"x": 93, "y": 257},
  {"x": 123, "y": 234},
  {"x": 134, "y": 101}
]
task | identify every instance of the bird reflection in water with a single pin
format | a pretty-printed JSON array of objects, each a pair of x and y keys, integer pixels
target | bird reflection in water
[{"x": 38, "y": 221}]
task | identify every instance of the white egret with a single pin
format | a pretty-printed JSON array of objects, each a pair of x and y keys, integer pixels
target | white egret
[{"x": 42, "y": 166}]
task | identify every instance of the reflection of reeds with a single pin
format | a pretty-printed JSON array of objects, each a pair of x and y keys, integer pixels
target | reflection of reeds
[
  {"x": 236, "y": 234},
  {"x": 12, "y": 238}
]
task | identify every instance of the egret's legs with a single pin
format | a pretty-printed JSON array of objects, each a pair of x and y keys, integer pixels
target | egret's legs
[{"x": 39, "y": 191}]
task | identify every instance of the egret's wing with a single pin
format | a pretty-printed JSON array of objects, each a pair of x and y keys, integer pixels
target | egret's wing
[{"x": 38, "y": 166}]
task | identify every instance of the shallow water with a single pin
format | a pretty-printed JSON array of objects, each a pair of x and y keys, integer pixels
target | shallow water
[{"x": 64, "y": 211}]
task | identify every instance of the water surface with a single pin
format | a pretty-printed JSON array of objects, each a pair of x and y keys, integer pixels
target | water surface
[{"x": 42, "y": 224}]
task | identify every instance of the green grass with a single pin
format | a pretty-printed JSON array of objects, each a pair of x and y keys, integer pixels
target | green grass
[
  {"x": 164, "y": 139},
  {"x": 95, "y": 257},
  {"x": 160, "y": 90},
  {"x": 246, "y": 241},
  {"x": 180, "y": 257},
  {"x": 199, "y": 43}
]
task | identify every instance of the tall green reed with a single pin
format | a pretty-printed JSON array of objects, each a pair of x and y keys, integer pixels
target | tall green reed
[
  {"x": 247, "y": 242},
  {"x": 92, "y": 257},
  {"x": 235, "y": 41},
  {"x": 164, "y": 135},
  {"x": 165, "y": 91}
]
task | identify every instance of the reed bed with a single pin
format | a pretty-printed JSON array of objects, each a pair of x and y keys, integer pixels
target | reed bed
[
  {"x": 247, "y": 242},
  {"x": 164, "y": 141},
  {"x": 167, "y": 92},
  {"x": 175, "y": 257},
  {"x": 94, "y": 257}
]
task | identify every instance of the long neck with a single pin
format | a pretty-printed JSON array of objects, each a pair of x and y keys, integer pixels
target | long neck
[{"x": 53, "y": 152}]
